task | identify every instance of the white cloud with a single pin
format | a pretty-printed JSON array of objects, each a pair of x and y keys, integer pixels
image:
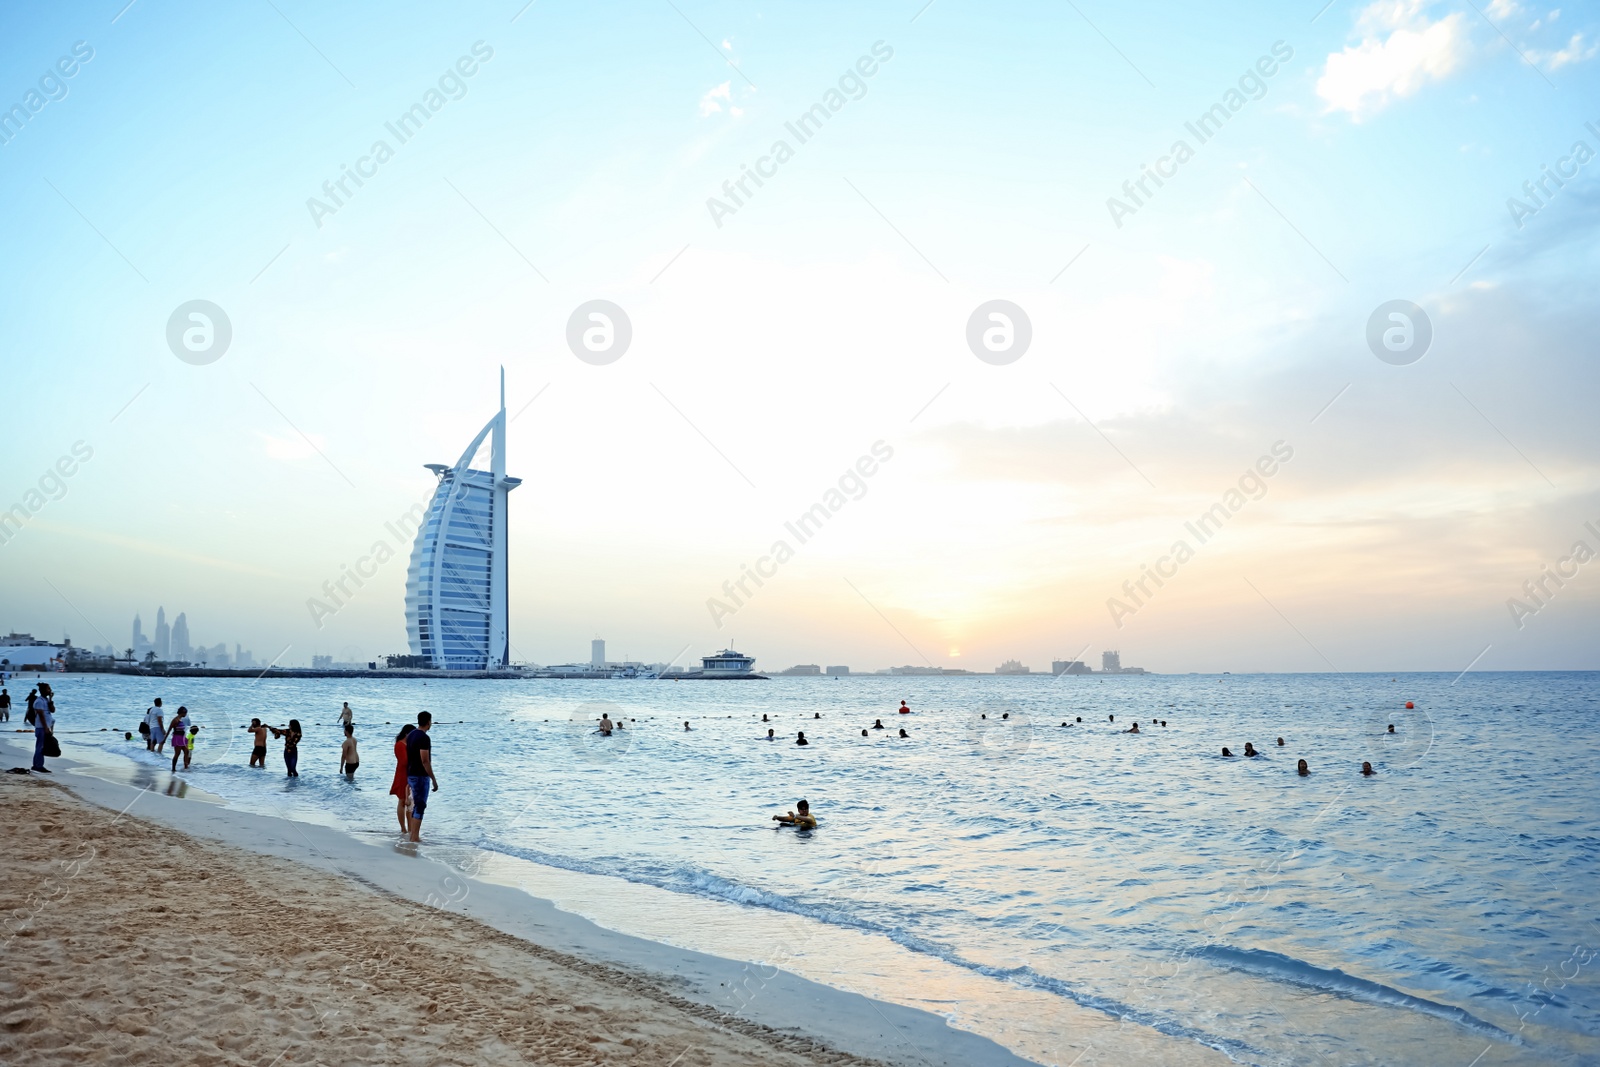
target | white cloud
[
  {"x": 1400, "y": 51},
  {"x": 710, "y": 103},
  {"x": 1575, "y": 52},
  {"x": 1503, "y": 9}
]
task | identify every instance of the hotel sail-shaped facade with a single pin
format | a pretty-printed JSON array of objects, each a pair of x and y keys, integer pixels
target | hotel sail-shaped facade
[{"x": 456, "y": 585}]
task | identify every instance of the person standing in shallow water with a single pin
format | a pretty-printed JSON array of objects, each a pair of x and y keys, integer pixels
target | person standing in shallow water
[
  {"x": 419, "y": 772},
  {"x": 291, "y": 746},
  {"x": 401, "y": 787},
  {"x": 258, "y": 749},
  {"x": 349, "y": 759},
  {"x": 153, "y": 725},
  {"x": 180, "y": 738}
]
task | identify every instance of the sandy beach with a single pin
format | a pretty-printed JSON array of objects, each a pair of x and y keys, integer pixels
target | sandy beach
[{"x": 128, "y": 942}]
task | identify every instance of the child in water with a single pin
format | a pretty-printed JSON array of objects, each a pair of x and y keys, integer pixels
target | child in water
[{"x": 801, "y": 818}]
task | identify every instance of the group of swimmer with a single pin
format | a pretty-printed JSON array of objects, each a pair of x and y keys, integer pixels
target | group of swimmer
[{"x": 1303, "y": 768}]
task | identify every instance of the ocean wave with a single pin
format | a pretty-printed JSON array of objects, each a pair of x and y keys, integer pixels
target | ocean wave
[
  {"x": 1277, "y": 967},
  {"x": 702, "y": 883}
]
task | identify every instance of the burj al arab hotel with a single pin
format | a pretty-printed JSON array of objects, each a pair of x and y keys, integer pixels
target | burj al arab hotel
[{"x": 456, "y": 589}]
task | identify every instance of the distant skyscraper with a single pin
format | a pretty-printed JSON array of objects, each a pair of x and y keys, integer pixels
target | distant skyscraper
[
  {"x": 180, "y": 638},
  {"x": 139, "y": 640},
  {"x": 456, "y": 587},
  {"x": 1111, "y": 662},
  {"x": 597, "y": 653},
  {"x": 163, "y": 641}
]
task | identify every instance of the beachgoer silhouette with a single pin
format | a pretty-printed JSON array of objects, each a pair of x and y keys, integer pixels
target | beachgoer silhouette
[
  {"x": 1250, "y": 750},
  {"x": 903, "y": 732},
  {"x": 801, "y": 740},
  {"x": 1303, "y": 769},
  {"x": 1225, "y": 751}
]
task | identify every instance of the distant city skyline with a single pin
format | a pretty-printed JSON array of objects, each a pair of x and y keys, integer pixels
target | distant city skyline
[{"x": 172, "y": 644}]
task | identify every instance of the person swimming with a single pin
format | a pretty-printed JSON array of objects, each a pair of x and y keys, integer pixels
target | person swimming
[
  {"x": 800, "y": 818},
  {"x": 1391, "y": 728},
  {"x": 1163, "y": 723},
  {"x": 1080, "y": 718},
  {"x": 801, "y": 740},
  {"x": 1366, "y": 769},
  {"x": 763, "y": 717},
  {"x": 818, "y": 715},
  {"x": 1280, "y": 742},
  {"x": 877, "y": 724},
  {"x": 1111, "y": 718},
  {"x": 1303, "y": 769},
  {"x": 863, "y": 733},
  {"x": 1250, "y": 750},
  {"x": 903, "y": 732},
  {"x": 770, "y": 735},
  {"x": 1134, "y": 730},
  {"x": 1005, "y": 715},
  {"x": 1225, "y": 751},
  {"x": 685, "y": 725}
]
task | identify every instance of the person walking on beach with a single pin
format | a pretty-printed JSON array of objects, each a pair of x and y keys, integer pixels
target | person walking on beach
[
  {"x": 291, "y": 746},
  {"x": 180, "y": 738},
  {"x": 43, "y": 710},
  {"x": 346, "y": 716},
  {"x": 419, "y": 772},
  {"x": 349, "y": 760},
  {"x": 258, "y": 753},
  {"x": 401, "y": 787}
]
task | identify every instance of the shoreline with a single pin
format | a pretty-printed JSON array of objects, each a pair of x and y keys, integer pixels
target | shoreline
[{"x": 727, "y": 993}]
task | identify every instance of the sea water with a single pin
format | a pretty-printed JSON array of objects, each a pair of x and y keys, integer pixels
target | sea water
[{"x": 1074, "y": 891}]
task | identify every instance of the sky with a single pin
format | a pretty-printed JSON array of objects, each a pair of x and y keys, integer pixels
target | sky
[{"x": 1315, "y": 168}]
